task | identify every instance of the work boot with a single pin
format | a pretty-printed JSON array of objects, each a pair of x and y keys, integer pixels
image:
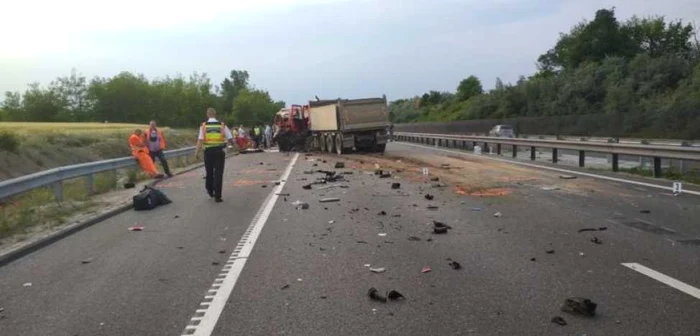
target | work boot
[{"x": 218, "y": 200}]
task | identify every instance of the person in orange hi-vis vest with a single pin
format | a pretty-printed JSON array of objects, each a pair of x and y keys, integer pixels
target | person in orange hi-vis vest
[{"x": 140, "y": 151}]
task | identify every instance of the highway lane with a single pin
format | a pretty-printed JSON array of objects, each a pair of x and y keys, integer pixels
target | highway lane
[
  {"x": 307, "y": 273},
  {"x": 137, "y": 283}
]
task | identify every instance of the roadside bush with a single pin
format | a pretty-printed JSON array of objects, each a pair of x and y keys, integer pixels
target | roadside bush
[{"x": 9, "y": 141}]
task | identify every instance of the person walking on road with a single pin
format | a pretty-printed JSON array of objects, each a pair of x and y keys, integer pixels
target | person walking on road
[
  {"x": 140, "y": 151},
  {"x": 156, "y": 146},
  {"x": 268, "y": 136},
  {"x": 257, "y": 132},
  {"x": 241, "y": 139},
  {"x": 213, "y": 135}
]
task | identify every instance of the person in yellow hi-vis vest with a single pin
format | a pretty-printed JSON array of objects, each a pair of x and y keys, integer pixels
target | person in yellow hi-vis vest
[{"x": 213, "y": 135}]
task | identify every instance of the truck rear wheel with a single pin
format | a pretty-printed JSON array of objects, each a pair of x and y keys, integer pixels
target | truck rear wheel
[
  {"x": 339, "y": 144},
  {"x": 322, "y": 143},
  {"x": 329, "y": 144}
]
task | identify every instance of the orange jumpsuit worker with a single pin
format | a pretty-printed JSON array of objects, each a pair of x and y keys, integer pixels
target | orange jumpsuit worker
[{"x": 140, "y": 152}]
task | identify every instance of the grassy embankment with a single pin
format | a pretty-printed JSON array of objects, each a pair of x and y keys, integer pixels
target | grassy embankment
[{"x": 27, "y": 148}]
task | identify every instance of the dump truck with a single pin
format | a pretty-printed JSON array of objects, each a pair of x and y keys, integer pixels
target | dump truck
[
  {"x": 338, "y": 125},
  {"x": 343, "y": 125}
]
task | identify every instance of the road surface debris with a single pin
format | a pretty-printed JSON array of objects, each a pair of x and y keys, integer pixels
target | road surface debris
[
  {"x": 596, "y": 240},
  {"x": 455, "y": 265},
  {"x": 429, "y": 197},
  {"x": 339, "y": 165},
  {"x": 86, "y": 261},
  {"x": 567, "y": 177},
  {"x": 394, "y": 295},
  {"x": 300, "y": 205},
  {"x": 285, "y": 287},
  {"x": 580, "y": 306},
  {"x": 497, "y": 215},
  {"x": 136, "y": 228},
  {"x": 328, "y": 200},
  {"x": 558, "y": 320},
  {"x": 426, "y": 269},
  {"x": 603, "y": 228},
  {"x": 549, "y": 251},
  {"x": 396, "y": 185},
  {"x": 377, "y": 270},
  {"x": 414, "y": 238},
  {"x": 374, "y": 295}
]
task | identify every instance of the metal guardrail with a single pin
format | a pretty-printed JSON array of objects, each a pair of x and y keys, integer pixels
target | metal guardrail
[
  {"x": 657, "y": 152},
  {"x": 54, "y": 177}
]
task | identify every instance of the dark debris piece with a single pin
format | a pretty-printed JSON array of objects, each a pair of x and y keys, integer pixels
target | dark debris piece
[
  {"x": 429, "y": 197},
  {"x": 441, "y": 225},
  {"x": 435, "y": 179},
  {"x": 385, "y": 175},
  {"x": 533, "y": 259},
  {"x": 414, "y": 238},
  {"x": 285, "y": 287},
  {"x": 307, "y": 186},
  {"x": 433, "y": 207},
  {"x": 455, "y": 265},
  {"x": 382, "y": 213},
  {"x": 439, "y": 230},
  {"x": 596, "y": 240},
  {"x": 549, "y": 251},
  {"x": 374, "y": 295},
  {"x": 603, "y": 228},
  {"x": 339, "y": 165},
  {"x": 396, "y": 185},
  {"x": 394, "y": 295},
  {"x": 645, "y": 211},
  {"x": 579, "y": 305},
  {"x": 558, "y": 320}
]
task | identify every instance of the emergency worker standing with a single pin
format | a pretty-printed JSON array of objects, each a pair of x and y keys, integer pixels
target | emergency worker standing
[
  {"x": 213, "y": 135},
  {"x": 156, "y": 146}
]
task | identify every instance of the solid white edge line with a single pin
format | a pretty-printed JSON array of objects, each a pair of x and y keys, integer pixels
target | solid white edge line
[
  {"x": 696, "y": 193},
  {"x": 216, "y": 307},
  {"x": 679, "y": 285}
]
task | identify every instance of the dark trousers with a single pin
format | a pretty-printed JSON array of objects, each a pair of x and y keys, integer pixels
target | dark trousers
[
  {"x": 214, "y": 165},
  {"x": 163, "y": 161}
]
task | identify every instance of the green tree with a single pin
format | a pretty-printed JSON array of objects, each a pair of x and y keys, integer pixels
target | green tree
[
  {"x": 12, "y": 107},
  {"x": 253, "y": 107},
  {"x": 469, "y": 87},
  {"x": 232, "y": 86}
]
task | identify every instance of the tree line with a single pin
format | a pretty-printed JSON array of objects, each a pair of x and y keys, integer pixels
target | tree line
[
  {"x": 131, "y": 98},
  {"x": 642, "y": 74}
]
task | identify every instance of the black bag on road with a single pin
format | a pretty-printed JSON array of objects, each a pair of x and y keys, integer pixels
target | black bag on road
[{"x": 149, "y": 198}]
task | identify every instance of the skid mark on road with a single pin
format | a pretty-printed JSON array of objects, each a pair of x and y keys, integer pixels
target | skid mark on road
[
  {"x": 209, "y": 311},
  {"x": 679, "y": 285}
]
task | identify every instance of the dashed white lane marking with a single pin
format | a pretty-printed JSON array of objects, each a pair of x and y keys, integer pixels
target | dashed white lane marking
[
  {"x": 554, "y": 169},
  {"x": 207, "y": 314},
  {"x": 679, "y": 285}
]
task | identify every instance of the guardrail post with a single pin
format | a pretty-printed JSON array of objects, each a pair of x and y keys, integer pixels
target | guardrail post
[
  {"x": 486, "y": 147},
  {"x": 581, "y": 158},
  {"x": 474, "y": 144},
  {"x": 615, "y": 161},
  {"x": 657, "y": 167},
  {"x": 555, "y": 155},
  {"x": 464, "y": 144},
  {"x": 58, "y": 190},
  {"x": 515, "y": 151},
  {"x": 89, "y": 179},
  {"x": 532, "y": 153},
  {"x": 454, "y": 143},
  {"x": 498, "y": 149}
]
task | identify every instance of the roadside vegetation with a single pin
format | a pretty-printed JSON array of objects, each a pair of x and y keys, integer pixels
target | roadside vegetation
[{"x": 637, "y": 78}]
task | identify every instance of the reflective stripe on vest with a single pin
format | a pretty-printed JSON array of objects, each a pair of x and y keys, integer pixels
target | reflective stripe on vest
[{"x": 213, "y": 134}]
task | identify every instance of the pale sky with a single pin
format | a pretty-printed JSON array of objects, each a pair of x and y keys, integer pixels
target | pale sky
[{"x": 297, "y": 49}]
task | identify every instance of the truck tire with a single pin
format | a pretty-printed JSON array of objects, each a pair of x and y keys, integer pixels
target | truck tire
[
  {"x": 330, "y": 144},
  {"x": 379, "y": 148},
  {"x": 339, "y": 144},
  {"x": 322, "y": 143}
]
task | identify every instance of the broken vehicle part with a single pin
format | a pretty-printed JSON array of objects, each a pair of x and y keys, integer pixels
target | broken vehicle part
[
  {"x": 429, "y": 197},
  {"x": 396, "y": 185},
  {"x": 328, "y": 200},
  {"x": 455, "y": 265},
  {"x": 558, "y": 320},
  {"x": 374, "y": 295},
  {"x": 394, "y": 295},
  {"x": 377, "y": 270},
  {"x": 579, "y": 305}
]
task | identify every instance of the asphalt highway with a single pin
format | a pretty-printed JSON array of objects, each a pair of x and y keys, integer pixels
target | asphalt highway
[{"x": 258, "y": 264}]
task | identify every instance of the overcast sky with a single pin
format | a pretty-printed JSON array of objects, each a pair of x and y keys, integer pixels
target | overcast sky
[{"x": 296, "y": 49}]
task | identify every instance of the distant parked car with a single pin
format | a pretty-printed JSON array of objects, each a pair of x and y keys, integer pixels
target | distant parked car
[{"x": 505, "y": 131}]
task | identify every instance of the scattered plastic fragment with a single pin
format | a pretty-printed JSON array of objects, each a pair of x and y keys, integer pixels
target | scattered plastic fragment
[
  {"x": 579, "y": 305},
  {"x": 602, "y": 228},
  {"x": 550, "y": 188},
  {"x": 361, "y": 242},
  {"x": 558, "y": 320},
  {"x": 285, "y": 287},
  {"x": 176, "y": 216},
  {"x": 308, "y": 172},
  {"x": 429, "y": 197},
  {"x": 27, "y": 284},
  {"x": 433, "y": 207},
  {"x": 533, "y": 259},
  {"x": 396, "y": 185},
  {"x": 385, "y": 175},
  {"x": 439, "y": 230},
  {"x": 306, "y": 186},
  {"x": 582, "y": 254},
  {"x": 86, "y": 261},
  {"x": 367, "y": 265},
  {"x": 215, "y": 263},
  {"x": 377, "y": 270},
  {"x": 596, "y": 240},
  {"x": 136, "y": 228},
  {"x": 381, "y": 234},
  {"x": 222, "y": 251},
  {"x": 339, "y": 165},
  {"x": 414, "y": 238},
  {"x": 382, "y": 213},
  {"x": 567, "y": 177},
  {"x": 455, "y": 265},
  {"x": 374, "y": 295},
  {"x": 645, "y": 211},
  {"x": 331, "y": 221},
  {"x": 394, "y": 295},
  {"x": 426, "y": 269},
  {"x": 300, "y": 205},
  {"x": 327, "y": 200},
  {"x": 440, "y": 225},
  {"x": 549, "y": 251},
  {"x": 497, "y": 215}
]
